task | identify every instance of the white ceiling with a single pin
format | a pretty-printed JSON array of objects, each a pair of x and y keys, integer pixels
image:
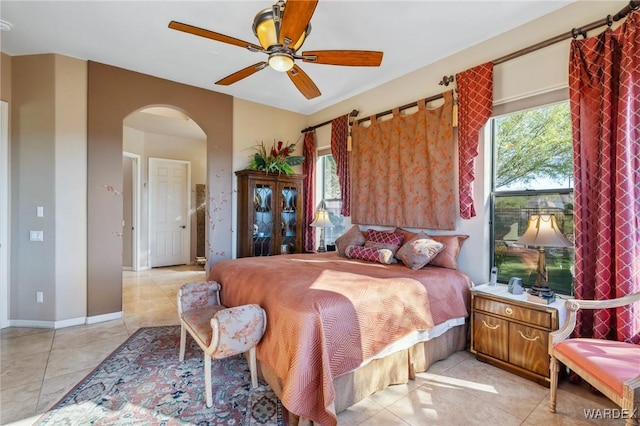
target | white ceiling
[{"x": 134, "y": 35}]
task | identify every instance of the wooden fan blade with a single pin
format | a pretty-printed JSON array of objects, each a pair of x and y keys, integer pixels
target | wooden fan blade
[
  {"x": 354, "y": 58},
  {"x": 243, "y": 73},
  {"x": 303, "y": 82},
  {"x": 296, "y": 17},
  {"x": 212, "y": 35}
]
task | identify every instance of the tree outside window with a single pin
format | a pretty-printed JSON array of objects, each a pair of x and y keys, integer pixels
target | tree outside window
[{"x": 533, "y": 169}]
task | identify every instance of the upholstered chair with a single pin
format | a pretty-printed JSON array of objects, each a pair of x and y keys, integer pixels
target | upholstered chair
[
  {"x": 221, "y": 332},
  {"x": 609, "y": 366}
]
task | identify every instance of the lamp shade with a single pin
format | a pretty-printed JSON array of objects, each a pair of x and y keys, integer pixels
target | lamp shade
[
  {"x": 543, "y": 231},
  {"x": 322, "y": 220}
]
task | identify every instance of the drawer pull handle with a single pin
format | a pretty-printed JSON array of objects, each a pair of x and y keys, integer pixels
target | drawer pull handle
[
  {"x": 531, "y": 339},
  {"x": 492, "y": 327},
  {"x": 509, "y": 311}
]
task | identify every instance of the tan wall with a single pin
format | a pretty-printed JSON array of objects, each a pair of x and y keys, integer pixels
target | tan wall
[
  {"x": 33, "y": 184},
  {"x": 114, "y": 93},
  {"x": 5, "y": 77},
  {"x": 70, "y": 188},
  {"x": 254, "y": 123}
]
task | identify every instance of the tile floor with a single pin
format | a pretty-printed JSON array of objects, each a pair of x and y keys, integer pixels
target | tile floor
[{"x": 38, "y": 366}]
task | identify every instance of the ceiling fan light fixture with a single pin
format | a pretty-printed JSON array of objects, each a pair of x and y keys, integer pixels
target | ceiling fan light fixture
[
  {"x": 266, "y": 30},
  {"x": 264, "y": 27},
  {"x": 280, "y": 61}
]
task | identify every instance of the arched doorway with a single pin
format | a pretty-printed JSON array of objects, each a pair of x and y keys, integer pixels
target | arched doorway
[{"x": 160, "y": 190}]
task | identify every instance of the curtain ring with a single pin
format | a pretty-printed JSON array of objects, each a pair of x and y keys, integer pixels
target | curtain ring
[
  {"x": 574, "y": 33},
  {"x": 634, "y": 5},
  {"x": 609, "y": 21}
]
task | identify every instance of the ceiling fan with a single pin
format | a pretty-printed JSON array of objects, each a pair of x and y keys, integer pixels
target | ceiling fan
[{"x": 281, "y": 31}]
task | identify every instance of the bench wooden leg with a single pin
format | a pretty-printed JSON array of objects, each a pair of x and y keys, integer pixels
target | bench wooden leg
[
  {"x": 253, "y": 367},
  {"x": 183, "y": 341},
  {"x": 207, "y": 380}
]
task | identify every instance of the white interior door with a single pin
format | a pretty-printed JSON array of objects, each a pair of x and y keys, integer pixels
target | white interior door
[
  {"x": 4, "y": 214},
  {"x": 169, "y": 201}
]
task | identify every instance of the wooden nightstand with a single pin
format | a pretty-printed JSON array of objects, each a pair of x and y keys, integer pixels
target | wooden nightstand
[{"x": 512, "y": 333}]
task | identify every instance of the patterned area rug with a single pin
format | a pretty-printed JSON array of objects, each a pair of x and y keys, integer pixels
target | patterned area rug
[{"x": 143, "y": 383}]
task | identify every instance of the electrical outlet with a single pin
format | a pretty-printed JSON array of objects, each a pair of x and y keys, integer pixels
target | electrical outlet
[
  {"x": 36, "y": 236},
  {"x": 39, "y": 297}
]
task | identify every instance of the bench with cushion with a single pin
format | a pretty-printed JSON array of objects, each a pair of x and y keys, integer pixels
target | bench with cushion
[{"x": 220, "y": 332}]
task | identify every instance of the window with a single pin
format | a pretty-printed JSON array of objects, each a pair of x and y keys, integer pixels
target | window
[
  {"x": 532, "y": 173},
  {"x": 330, "y": 195}
]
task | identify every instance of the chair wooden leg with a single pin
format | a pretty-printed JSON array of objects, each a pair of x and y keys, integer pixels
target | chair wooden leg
[
  {"x": 554, "y": 366},
  {"x": 207, "y": 380},
  {"x": 183, "y": 341},
  {"x": 253, "y": 367}
]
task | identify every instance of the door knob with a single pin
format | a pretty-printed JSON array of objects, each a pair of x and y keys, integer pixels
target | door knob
[{"x": 183, "y": 226}]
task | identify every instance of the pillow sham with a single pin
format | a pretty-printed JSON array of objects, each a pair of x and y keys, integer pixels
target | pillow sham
[
  {"x": 383, "y": 256},
  {"x": 448, "y": 257},
  {"x": 352, "y": 237},
  {"x": 384, "y": 240},
  {"x": 419, "y": 251},
  {"x": 408, "y": 235}
]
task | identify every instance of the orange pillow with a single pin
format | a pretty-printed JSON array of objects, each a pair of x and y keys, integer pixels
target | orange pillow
[{"x": 448, "y": 257}]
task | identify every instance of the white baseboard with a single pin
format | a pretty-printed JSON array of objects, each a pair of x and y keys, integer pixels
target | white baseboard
[
  {"x": 104, "y": 317},
  {"x": 48, "y": 324},
  {"x": 65, "y": 323}
]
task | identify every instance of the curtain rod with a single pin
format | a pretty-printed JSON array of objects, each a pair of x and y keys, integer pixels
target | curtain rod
[
  {"x": 353, "y": 113},
  {"x": 574, "y": 33},
  {"x": 633, "y": 5}
]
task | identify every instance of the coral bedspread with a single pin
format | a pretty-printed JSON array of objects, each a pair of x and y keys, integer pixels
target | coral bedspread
[{"x": 326, "y": 315}]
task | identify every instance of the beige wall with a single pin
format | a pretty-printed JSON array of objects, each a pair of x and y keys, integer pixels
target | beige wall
[
  {"x": 48, "y": 140},
  {"x": 539, "y": 72},
  {"x": 33, "y": 181},
  {"x": 254, "y": 123},
  {"x": 5, "y": 77},
  {"x": 70, "y": 188}
]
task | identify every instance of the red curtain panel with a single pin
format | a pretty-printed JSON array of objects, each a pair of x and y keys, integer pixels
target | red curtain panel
[
  {"x": 475, "y": 105},
  {"x": 604, "y": 88},
  {"x": 339, "y": 135},
  {"x": 309, "y": 170}
]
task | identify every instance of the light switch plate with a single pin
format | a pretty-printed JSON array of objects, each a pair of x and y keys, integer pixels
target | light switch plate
[
  {"x": 40, "y": 211},
  {"x": 36, "y": 236}
]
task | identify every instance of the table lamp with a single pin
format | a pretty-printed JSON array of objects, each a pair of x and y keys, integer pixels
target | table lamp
[
  {"x": 321, "y": 221},
  {"x": 542, "y": 231}
]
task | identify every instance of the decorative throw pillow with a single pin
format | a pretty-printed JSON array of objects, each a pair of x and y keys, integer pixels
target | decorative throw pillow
[
  {"x": 408, "y": 235},
  {"x": 448, "y": 257},
  {"x": 419, "y": 251},
  {"x": 384, "y": 240},
  {"x": 383, "y": 256},
  {"x": 352, "y": 237}
]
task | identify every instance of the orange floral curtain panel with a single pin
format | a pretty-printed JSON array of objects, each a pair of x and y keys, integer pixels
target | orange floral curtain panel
[{"x": 403, "y": 170}]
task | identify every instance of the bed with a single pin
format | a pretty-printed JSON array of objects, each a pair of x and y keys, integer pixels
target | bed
[{"x": 340, "y": 329}]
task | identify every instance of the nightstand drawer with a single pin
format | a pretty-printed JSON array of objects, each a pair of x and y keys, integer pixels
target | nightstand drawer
[
  {"x": 491, "y": 336},
  {"x": 508, "y": 310},
  {"x": 528, "y": 348}
]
